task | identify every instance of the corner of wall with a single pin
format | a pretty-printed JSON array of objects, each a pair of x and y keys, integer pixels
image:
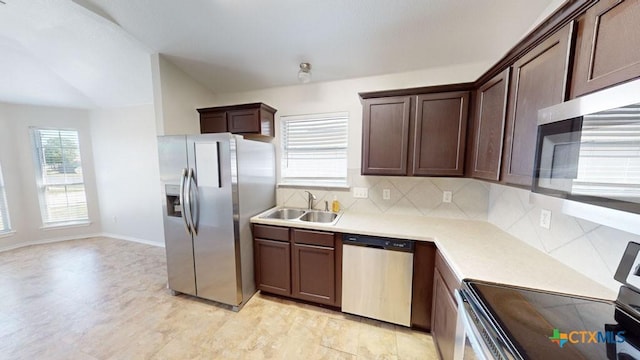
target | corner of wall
[
  {"x": 176, "y": 97},
  {"x": 157, "y": 92}
]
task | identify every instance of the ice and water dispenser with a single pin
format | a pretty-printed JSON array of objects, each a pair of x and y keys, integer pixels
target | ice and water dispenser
[{"x": 174, "y": 208}]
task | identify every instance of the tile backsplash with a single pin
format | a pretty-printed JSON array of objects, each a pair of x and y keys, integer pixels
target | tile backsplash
[
  {"x": 408, "y": 195},
  {"x": 592, "y": 249}
]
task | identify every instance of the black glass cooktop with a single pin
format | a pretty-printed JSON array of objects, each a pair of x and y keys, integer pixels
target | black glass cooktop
[{"x": 545, "y": 325}]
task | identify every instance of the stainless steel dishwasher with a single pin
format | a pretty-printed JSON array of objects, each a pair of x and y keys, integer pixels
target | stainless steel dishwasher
[{"x": 377, "y": 274}]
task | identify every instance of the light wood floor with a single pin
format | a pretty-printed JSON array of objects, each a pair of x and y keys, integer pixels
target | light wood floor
[{"x": 102, "y": 298}]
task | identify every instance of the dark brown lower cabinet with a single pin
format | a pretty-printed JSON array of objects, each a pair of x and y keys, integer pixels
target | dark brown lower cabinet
[
  {"x": 422, "y": 295},
  {"x": 301, "y": 264},
  {"x": 444, "y": 318},
  {"x": 273, "y": 270},
  {"x": 314, "y": 273},
  {"x": 445, "y": 309}
]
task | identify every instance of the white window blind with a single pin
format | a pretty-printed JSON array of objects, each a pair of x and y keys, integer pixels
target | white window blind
[
  {"x": 5, "y": 224},
  {"x": 60, "y": 180},
  {"x": 314, "y": 149}
]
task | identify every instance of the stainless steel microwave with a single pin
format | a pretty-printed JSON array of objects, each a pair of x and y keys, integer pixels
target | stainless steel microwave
[{"x": 588, "y": 149}]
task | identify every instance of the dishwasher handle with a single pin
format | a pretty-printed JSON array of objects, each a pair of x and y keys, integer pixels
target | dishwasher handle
[{"x": 379, "y": 242}]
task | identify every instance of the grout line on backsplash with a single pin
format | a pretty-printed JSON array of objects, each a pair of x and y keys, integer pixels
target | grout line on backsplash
[{"x": 611, "y": 270}]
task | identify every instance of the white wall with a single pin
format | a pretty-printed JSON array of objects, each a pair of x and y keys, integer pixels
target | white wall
[
  {"x": 128, "y": 178},
  {"x": 16, "y": 156},
  {"x": 336, "y": 96},
  {"x": 176, "y": 98}
]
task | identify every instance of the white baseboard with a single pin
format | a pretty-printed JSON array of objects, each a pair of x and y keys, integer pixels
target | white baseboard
[
  {"x": 79, "y": 237},
  {"x": 47, "y": 241},
  {"x": 133, "y": 239}
]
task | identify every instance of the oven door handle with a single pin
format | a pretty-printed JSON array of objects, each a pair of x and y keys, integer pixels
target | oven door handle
[{"x": 467, "y": 327}]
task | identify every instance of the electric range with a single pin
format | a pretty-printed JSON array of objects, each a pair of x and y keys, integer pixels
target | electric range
[{"x": 511, "y": 322}]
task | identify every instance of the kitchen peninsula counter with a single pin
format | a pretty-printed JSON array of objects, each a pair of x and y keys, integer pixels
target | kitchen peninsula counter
[{"x": 474, "y": 249}]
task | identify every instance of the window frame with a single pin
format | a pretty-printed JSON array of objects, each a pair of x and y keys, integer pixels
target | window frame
[
  {"x": 308, "y": 181},
  {"x": 42, "y": 185}
]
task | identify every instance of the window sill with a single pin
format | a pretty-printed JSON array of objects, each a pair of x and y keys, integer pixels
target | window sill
[
  {"x": 66, "y": 225},
  {"x": 7, "y": 234},
  {"x": 314, "y": 186}
]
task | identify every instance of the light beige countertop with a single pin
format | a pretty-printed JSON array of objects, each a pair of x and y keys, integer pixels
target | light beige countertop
[{"x": 474, "y": 249}]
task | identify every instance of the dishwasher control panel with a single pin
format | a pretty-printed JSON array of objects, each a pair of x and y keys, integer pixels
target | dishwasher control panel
[{"x": 379, "y": 242}]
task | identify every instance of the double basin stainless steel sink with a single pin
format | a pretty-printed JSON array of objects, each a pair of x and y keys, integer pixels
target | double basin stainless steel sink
[{"x": 304, "y": 215}]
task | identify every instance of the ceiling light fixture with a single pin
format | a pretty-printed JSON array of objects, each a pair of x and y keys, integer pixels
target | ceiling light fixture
[{"x": 304, "y": 75}]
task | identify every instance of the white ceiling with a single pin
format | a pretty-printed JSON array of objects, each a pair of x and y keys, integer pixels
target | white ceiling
[{"x": 95, "y": 53}]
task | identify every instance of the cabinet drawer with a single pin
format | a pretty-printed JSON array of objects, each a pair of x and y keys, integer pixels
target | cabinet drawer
[
  {"x": 271, "y": 232},
  {"x": 312, "y": 237},
  {"x": 449, "y": 277}
]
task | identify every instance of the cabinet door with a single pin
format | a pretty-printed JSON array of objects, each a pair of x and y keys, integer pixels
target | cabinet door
[
  {"x": 385, "y": 136},
  {"x": 314, "y": 273},
  {"x": 422, "y": 294},
  {"x": 213, "y": 122},
  {"x": 272, "y": 266},
  {"x": 539, "y": 80},
  {"x": 489, "y": 120},
  {"x": 244, "y": 121},
  {"x": 608, "y": 48},
  {"x": 439, "y": 134},
  {"x": 445, "y": 317}
]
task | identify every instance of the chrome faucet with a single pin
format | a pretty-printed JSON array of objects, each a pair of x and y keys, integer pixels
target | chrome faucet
[{"x": 310, "y": 199}]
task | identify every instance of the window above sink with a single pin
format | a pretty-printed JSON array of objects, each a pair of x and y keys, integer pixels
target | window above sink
[{"x": 313, "y": 150}]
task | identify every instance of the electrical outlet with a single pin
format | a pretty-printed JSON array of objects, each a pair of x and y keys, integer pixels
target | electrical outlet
[
  {"x": 360, "y": 192},
  {"x": 446, "y": 196},
  {"x": 386, "y": 194},
  {"x": 545, "y": 218}
]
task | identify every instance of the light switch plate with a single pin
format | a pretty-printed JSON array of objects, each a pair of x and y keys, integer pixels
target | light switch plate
[
  {"x": 545, "y": 218},
  {"x": 360, "y": 192},
  {"x": 446, "y": 196}
]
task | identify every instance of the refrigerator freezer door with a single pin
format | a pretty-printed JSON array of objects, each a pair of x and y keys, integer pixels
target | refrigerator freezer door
[
  {"x": 178, "y": 242},
  {"x": 214, "y": 245}
]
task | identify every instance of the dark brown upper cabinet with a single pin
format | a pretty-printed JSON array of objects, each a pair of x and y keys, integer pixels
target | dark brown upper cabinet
[
  {"x": 385, "y": 135},
  {"x": 538, "y": 80},
  {"x": 246, "y": 119},
  {"x": 439, "y": 134},
  {"x": 489, "y": 122},
  {"x": 608, "y": 46},
  {"x": 421, "y": 134}
]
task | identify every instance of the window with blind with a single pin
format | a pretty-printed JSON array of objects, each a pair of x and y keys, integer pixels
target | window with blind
[
  {"x": 5, "y": 224},
  {"x": 60, "y": 180},
  {"x": 314, "y": 149}
]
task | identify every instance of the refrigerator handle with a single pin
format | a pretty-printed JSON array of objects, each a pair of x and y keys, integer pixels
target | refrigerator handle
[
  {"x": 183, "y": 208},
  {"x": 194, "y": 204}
]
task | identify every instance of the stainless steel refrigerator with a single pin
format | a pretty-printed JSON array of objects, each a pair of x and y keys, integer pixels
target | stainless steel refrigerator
[{"x": 212, "y": 184}]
